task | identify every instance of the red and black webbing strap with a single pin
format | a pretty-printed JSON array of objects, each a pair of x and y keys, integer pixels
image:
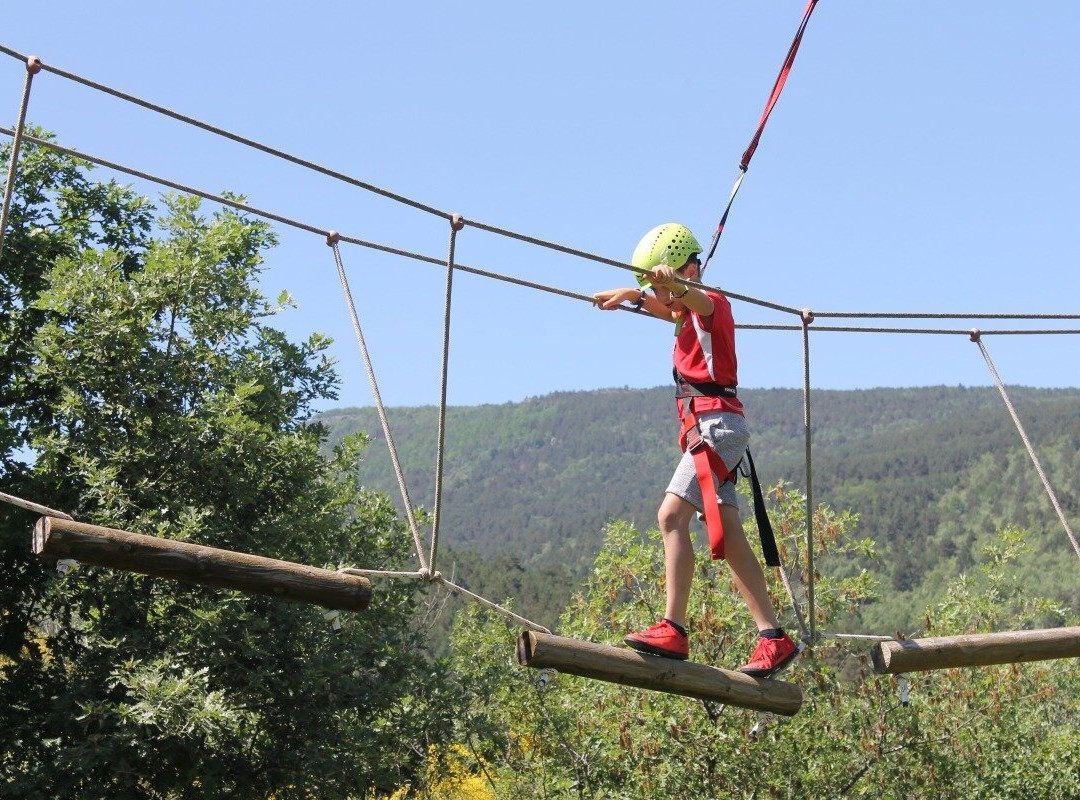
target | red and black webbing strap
[
  {"x": 744, "y": 164},
  {"x": 707, "y": 462}
]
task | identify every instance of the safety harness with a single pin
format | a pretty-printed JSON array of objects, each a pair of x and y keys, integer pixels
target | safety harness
[{"x": 707, "y": 462}]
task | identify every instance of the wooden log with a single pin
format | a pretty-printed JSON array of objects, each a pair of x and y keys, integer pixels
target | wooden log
[
  {"x": 631, "y": 668},
  {"x": 194, "y": 563},
  {"x": 975, "y": 650}
]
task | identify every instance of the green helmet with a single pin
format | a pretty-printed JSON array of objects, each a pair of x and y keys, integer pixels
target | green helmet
[{"x": 670, "y": 243}]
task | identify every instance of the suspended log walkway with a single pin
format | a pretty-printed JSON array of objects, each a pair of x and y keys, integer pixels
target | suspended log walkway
[
  {"x": 193, "y": 563},
  {"x": 975, "y": 650},
  {"x": 630, "y": 668}
]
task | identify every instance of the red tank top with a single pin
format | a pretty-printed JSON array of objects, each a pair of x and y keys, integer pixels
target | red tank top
[{"x": 705, "y": 353}]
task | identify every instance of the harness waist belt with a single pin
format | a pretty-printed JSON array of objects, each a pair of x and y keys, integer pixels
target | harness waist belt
[{"x": 685, "y": 388}]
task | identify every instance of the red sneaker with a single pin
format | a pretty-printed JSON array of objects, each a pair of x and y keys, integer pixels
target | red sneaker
[
  {"x": 662, "y": 639},
  {"x": 770, "y": 656}
]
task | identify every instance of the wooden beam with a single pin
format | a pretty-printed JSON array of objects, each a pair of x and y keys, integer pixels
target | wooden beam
[
  {"x": 975, "y": 650},
  {"x": 194, "y": 563},
  {"x": 628, "y": 667}
]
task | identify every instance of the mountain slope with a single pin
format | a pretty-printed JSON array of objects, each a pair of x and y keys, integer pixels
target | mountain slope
[{"x": 931, "y": 471}]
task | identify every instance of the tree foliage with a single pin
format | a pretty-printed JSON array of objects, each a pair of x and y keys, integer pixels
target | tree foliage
[
  {"x": 156, "y": 397},
  {"x": 1000, "y": 732}
]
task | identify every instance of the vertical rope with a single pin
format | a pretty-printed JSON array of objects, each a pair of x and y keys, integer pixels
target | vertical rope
[
  {"x": 807, "y": 318},
  {"x": 977, "y": 338},
  {"x": 33, "y": 67},
  {"x": 456, "y": 224},
  {"x": 332, "y": 240}
]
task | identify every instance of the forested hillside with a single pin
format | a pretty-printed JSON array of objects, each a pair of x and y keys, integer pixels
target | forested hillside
[{"x": 931, "y": 471}]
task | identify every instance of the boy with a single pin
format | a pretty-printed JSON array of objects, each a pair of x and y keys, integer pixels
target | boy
[{"x": 705, "y": 375}]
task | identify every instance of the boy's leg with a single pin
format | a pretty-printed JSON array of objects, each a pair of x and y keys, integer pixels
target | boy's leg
[
  {"x": 668, "y": 636},
  {"x": 774, "y": 648},
  {"x": 674, "y": 518},
  {"x": 746, "y": 570}
]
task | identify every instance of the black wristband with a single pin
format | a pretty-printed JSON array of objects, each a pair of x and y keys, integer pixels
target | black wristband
[{"x": 640, "y": 300}]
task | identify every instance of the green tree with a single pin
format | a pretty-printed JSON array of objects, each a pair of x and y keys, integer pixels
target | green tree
[
  {"x": 1002, "y": 732},
  {"x": 157, "y": 398}
]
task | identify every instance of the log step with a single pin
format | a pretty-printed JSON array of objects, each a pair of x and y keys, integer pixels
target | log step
[
  {"x": 194, "y": 563},
  {"x": 975, "y": 650},
  {"x": 631, "y": 668}
]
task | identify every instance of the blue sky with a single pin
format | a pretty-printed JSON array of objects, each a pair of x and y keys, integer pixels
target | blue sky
[{"x": 922, "y": 159}]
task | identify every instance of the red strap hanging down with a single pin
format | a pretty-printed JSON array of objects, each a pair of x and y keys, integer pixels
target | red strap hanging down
[{"x": 778, "y": 87}]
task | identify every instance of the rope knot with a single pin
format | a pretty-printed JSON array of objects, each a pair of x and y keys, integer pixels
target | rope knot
[{"x": 33, "y": 65}]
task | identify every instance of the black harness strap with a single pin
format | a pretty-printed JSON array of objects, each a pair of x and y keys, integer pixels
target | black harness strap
[{"x": 765, "y": 531}]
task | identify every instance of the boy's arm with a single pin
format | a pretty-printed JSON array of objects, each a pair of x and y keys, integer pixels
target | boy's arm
[
  {"x": 665, "y": 283},
  {"x": 610, "y": 299}
]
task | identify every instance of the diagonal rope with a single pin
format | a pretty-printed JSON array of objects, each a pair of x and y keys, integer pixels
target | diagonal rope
[
  {"x": 520, "y": 620},
  {"x": 33, "y": 66},
  {"x": 331, "y": 173},
  {"x": 322, "y": 232},
  {"x": 332, "y": 240},
  {"x": 35, "y": 507},
  {"x": 774, "y": 96},
  {"x": 975, "y": 337},
  {"x": 206, "y": 126}
]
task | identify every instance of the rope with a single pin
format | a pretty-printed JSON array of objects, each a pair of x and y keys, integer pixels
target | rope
[
  {"x": 936, "y": 315},
  {"x": 331, "y": 173},
  {"x": 36, "y": 508},
  {"x": 975, "y": 337},
  {"x": 807, "y": 318},
  {"x": 804, "y": 633},
  {"x": 748, "y": 154},
  {"x": 332, "y": 240},
  {"x": 456, "y": 225},
  {"x": 488, "y": 604},
  {"x": 380, "y": 573},
  {"x": 322, "y": 232},
  {"x": 273, "y": 151},
  {"x": 859, "y": 636},
  {"x": 33, "y": 66}
]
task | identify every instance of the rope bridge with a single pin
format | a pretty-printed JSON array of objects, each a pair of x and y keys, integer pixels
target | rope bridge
[{"x": 606, "y": 663}]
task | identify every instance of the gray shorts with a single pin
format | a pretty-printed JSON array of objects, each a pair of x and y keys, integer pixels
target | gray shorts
[{"x": 729, "y": 435}]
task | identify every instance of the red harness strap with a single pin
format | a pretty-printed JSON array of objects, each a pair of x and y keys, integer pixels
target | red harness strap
[{"x": 707, "y": 462}]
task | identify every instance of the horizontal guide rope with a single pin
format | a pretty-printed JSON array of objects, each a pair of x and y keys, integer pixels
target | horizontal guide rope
[
  {"x": 939, "y": 331},
  {"x": 936, "y": 315},
  {"x": 205, "y": 126},
  {"x": 245, "y": 207}
]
